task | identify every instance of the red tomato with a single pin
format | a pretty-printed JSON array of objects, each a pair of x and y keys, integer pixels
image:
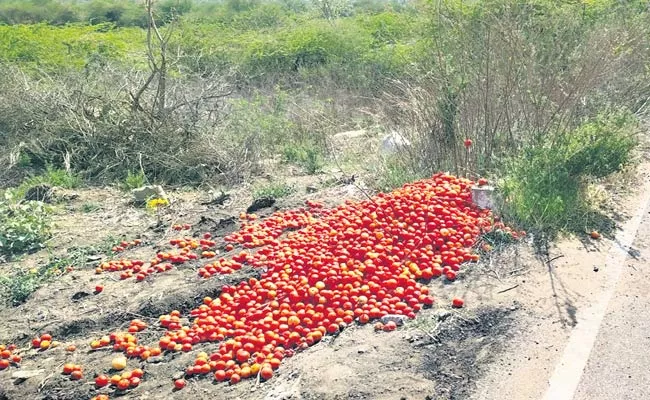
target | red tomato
[
  {"x": 180, "y": 383},
  {"x": 101, "y": 381}
]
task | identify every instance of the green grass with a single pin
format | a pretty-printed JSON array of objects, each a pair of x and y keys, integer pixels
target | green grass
[
  {"x": 51, "y": 176},
  {"x": 393, "y": 173},
  {"x": 17, "y": 285},
  {"x": 275, "y": 190},
  {"x": 55, "y": 177},
  {"x": 133, "y": 180},
  {"x": 89, "y": 207},
  {"x": 310, "y": 158}
]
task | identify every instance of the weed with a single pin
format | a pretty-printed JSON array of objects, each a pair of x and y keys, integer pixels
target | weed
[
  {"x": 90, "y": 207},
  {"x": 19, "y": 283},
  {"x": 308, "y": 157},
  {"x": 275, "y": 190},
  {"x": 24, "y": 227},
  {"x": 133, "y": 180},
  {"x": 393, "y": 174},
  {"x": 51, "y": 177}
]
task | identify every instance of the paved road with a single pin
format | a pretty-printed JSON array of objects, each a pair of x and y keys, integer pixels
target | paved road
[
  {"x": 619, "y": 363},
  {"x": 584, "y": 331}
]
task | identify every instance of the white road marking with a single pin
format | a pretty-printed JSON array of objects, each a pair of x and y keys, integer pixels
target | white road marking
[{"x": 568, "y": 372}]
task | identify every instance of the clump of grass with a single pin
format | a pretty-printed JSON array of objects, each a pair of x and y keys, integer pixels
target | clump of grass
[
  {"x": 308, "y": 157},
  {"x": 51, "y": 177},
  {"x": 275, "y": 190},
  {"x": 393, "y": 173},
  {"x": 90, "y": 207},
  {"x": 133, "y": 180}
]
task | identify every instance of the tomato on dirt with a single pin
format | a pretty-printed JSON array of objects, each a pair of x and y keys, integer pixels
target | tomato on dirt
[
  {"x": 321, "y": 269},
  {"x": 101, "y": 381},
  {"x": 180, "y": 383},
  {"x": 457, "y": 302}
]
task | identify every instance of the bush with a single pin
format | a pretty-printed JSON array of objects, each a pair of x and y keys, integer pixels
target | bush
[
  {"x": 308, "y": 157},
  {"x": 544, "y": 189},
  {"x": 24, "y": 227},
  {"x": 275, "y": 190}
]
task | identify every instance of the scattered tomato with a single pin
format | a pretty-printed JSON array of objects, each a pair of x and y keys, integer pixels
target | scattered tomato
[{"x": 180, "y": 383}]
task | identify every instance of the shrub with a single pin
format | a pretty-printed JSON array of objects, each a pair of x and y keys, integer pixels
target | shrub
[
  {"x": 24, "y": 227},
  {"x": 394, "y": 173},
  {"x": 544, "y": 189},
  {"x": 275, "y": 190},
  {"x": 308, "y": 157}
]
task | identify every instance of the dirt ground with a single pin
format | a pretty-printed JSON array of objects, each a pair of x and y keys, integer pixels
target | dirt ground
[{"x": 444, "y": 353}]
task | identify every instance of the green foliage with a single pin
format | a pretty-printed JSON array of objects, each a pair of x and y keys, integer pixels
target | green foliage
[
  {"x": 134, "y": 180},
  {"x": 19, "y": 283},
  {"x": 394, "y": 173},
  {"x": 16, "y": 287},
  {"x": 544, "y": 189},
  {"x": 57, "y": 177},
  {"x": 90, "y": 207},
  {"x": 601, "y": 147},
  {"x": 261, "y": 123},
  {"x": 36, "y": 11},
  {"x": 308, "y": 157},
  {"x": 24, "y": 227},
  {"x": 275, "y": 190},
  {"x": 52, "y": 177},
  {"x": 56, "y": 49}
]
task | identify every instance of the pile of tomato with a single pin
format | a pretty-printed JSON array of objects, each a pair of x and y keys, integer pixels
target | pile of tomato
[
  {"x": 323, "y": 269},
  {"x": 326, "y": 268}
]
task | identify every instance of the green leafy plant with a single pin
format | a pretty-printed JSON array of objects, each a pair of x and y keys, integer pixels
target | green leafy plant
[
  {"x": 275, "y": 190},
  {"x": 393, "y": 173},
  {"x": 90, "y": 207},
  {"x": 53, "y": 177},
  {"x": 24, "y": 227},
  {"x": 133, "y": 180},
  {"x": 308, "y": 157}
]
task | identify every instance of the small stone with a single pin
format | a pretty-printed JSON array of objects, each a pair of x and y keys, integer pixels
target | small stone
[
  {"x": 145, "y": 193},
  {"x": 396, "y": 318},
  {"x": 24, "y": 374},
  {"x": 442, "y": 315}
]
